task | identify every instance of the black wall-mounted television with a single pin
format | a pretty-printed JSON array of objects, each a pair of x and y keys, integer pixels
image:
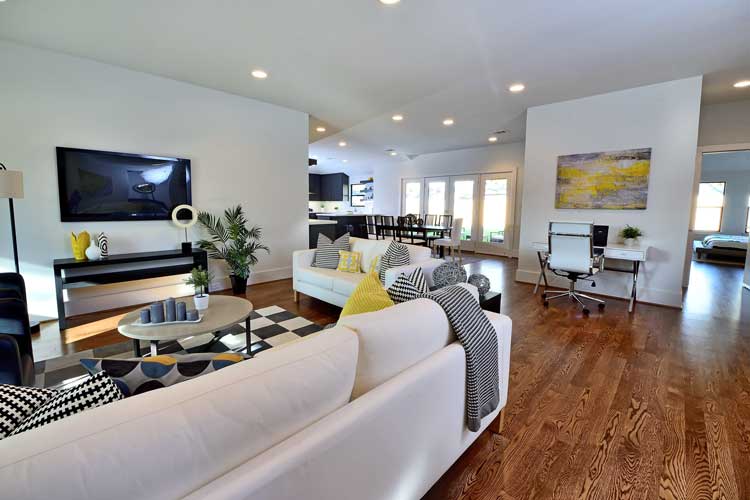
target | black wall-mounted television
[{"x": 106, "y": 186}]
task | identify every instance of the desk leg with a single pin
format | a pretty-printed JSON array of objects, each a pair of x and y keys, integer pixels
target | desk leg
[
  {"x": 248, "y": 335},
  {"x": 542, "y": 274},
  {"x": 633, "y": 292}
]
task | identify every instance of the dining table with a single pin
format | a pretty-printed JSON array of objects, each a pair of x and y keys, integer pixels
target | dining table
[{"x": 399, "y": 231}]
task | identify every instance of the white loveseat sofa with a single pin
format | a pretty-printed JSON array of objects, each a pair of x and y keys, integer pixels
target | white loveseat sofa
[
  {"x": 335, "y": 287},
  {"x": 372, "y": 409}
]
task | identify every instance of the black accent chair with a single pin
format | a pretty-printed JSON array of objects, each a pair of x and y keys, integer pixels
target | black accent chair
[
  {"x": 14, "y": 282},
  {"x": 16, "y": 354}
]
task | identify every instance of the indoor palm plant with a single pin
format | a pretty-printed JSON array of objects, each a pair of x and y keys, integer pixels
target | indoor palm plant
[
  {"x": 200, "y": 279},
  {"x": 630, "y": 234},
  {"x": 233, "y": 241}
]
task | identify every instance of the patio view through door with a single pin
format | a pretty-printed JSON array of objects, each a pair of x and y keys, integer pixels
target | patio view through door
[{"x": 485, "y": 203}]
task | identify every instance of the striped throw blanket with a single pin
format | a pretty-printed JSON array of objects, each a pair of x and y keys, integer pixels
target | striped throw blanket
[{"x": 478, "y": 337}]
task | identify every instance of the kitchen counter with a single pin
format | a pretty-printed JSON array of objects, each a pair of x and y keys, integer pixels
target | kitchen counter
[
  {"x": 354, "y": 224},
  {"x": 320, "y": 222}
]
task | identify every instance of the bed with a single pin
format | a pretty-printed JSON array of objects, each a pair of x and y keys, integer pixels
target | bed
[{"x": 725, "y": 247}]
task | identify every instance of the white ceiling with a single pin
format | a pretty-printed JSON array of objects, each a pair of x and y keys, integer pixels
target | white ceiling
[
  {"x": 351, "y": 64},
  {"x": 729, "y": 161}
]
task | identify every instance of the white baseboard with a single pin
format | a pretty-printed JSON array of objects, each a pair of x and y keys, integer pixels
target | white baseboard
[{"x": 620, "y": 289}]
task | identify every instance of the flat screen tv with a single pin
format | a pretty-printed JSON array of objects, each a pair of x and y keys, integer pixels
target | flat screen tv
[{"x": 106, "y": 186}]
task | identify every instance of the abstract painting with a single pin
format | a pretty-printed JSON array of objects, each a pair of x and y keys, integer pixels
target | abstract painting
[{"x": 614, "y": 180}]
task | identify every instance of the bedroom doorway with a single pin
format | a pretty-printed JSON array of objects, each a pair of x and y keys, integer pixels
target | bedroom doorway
[{"x": 717, "y": 258}]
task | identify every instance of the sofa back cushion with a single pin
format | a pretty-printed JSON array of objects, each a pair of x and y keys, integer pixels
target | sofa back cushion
[
  {"x": 372, "y": 248},
  {"x": 396, "y": 338},
  {"x": 169, "y": 442}
]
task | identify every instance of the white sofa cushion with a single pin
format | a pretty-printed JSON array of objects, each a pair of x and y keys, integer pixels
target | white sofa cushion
[
  {"x": 169, "y": 442},
  {"x": 393, "y": 339},
  {"x": 345, "y": 283},
  {"x": 318, "y": 276}
]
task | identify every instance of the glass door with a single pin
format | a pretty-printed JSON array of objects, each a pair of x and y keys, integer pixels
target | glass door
[
  {"x": 463, "y": 197},
  {"x": 495, "y": 229},
  {"x": 411, "y": 196},
  {"x": 436, "y": 196}
]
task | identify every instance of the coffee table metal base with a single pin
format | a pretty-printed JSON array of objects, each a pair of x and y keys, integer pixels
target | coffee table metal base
[{"x": 154, "y": 344}]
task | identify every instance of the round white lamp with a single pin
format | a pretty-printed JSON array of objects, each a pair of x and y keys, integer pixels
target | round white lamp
[{"x": 185, "y": 217}]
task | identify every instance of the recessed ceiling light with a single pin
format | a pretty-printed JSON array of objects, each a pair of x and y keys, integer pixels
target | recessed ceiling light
[
  {"x": 342, "y": 144},
  {"x": 393, "y": 153},
  {"x": 397, "y": 118},
  {"x": 389, "y": 2},
  {"x": 517, "y": 87},
  {"x": 321, "y": 129},
  {"x": 742, "y": 84},
  {"x": 448, "y": 122},
  {"x": 344, "y": 161},
  {"x": 259, "y": 74},
  {"x": 493, "y": 138}
]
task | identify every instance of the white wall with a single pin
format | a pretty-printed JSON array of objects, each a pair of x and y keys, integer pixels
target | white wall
[
  {"x": 242, "y": 151},
  {"x": 663, "y": 117},
  {"x": 500, "y": 158},
  {"x": 726, "y": 123}
]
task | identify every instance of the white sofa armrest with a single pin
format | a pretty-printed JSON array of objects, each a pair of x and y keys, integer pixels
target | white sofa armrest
[
  {"x": 302, "y": 258},
  {"x": 427, "y": 266}
]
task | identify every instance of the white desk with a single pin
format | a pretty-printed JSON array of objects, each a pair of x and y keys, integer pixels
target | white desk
[{"x": 635, "y": 254}]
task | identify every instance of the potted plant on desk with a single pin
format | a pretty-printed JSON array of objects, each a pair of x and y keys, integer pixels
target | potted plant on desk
[
  {"x": 630, "y": 235},
  {"x": 232, "y": 241},
  {"x": 200, "y": 279}
]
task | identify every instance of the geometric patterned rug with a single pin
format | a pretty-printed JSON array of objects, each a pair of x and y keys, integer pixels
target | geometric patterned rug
[{"x": 269, "y": 327}]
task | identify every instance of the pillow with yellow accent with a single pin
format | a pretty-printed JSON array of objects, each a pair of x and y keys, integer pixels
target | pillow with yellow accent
[
  {"x": 369, "y": 296},
  {"x": 349, "y": 261},
  {"x": 136, "y": 376}
]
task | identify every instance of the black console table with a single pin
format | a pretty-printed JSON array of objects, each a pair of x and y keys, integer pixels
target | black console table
[{"x": 94, "y": 272}]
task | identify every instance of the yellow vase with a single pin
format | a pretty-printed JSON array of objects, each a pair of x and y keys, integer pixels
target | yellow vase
[{"x": 80, "y": 243}]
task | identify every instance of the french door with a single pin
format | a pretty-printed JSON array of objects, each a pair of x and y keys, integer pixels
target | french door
[{"x": 483, "y": 202}]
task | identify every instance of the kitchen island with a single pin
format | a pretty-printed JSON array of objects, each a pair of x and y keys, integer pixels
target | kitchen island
[
  {"x": 354, "y": 224},
  {"x": 325, "y": 227}
]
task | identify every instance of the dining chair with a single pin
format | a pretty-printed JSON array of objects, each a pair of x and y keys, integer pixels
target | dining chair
[
  {"x": 430, "y": 219},
  {"x": 387, "y": 220},
  {"x": 370, "y": 223},
  {"x": 446, "y": 221},
  {"x": 454, "y": 241}
]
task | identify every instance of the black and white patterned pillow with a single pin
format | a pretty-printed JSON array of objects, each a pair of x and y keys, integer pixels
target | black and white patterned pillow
[
  {"x": 396, "y": 255},
  {"x": 95, "y": 391},
  {"x": 17, "y": 403},
  {"x": 327, "y": 253},
  {"x": 408, "y": 286}
]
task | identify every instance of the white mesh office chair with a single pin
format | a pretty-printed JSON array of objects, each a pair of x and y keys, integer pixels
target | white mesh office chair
[{"x": 571, "y": 255}]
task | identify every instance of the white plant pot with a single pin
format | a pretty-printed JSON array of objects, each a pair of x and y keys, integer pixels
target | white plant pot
[
  {"x": 630, "y": 242},
  {"x": 201, "y": 302}
]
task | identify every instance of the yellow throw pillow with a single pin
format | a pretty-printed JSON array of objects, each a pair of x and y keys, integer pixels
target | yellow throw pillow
[
  {"x": 349, "y": 261},
  {"x": 369, "y": 296},
  {"x": 374, "y": 264}
]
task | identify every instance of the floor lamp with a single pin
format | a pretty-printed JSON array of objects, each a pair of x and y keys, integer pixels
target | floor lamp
[{"x": 11, "y": 186}]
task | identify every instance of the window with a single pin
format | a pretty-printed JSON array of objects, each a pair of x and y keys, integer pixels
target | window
[{"x": 710, "y": 207}]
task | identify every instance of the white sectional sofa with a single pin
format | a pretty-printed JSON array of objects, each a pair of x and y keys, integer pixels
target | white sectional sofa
[
  {"x": 372, "y": 409},
  {"x": 335, "y": 287}
]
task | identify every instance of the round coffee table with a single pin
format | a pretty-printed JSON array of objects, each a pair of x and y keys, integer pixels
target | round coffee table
[{"x": 223, "y": 311}]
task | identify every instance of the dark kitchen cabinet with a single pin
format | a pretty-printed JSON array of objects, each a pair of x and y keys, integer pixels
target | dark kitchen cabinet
[
  {"x": 334, "y": 187},
  {"x": 315, "y": 189}
]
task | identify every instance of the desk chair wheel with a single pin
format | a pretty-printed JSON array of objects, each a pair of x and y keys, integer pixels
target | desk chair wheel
[
  {"x": 601, "y": 307},
  {"x": 546, "y": 303},
  {"x": 586, "y": 311}
]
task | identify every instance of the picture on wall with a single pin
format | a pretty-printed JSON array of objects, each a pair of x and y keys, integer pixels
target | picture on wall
[{"x": 614, "y": 180}]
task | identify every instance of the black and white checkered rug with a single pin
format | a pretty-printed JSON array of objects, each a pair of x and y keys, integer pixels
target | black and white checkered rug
[{"x": 269, "y": 327}]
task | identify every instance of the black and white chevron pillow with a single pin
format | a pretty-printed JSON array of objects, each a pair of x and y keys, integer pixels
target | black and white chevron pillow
[
  {"x": 327, "y": 253},
  {"x": 17, "y": 403},
  {"x": 95, "y": 391},
  {"x": 396, "y": 255},
  {"x": 408, "y": 286}
]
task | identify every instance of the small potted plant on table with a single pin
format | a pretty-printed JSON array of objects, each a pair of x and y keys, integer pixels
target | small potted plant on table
[
  {"x": 200, "y": 279},
  {"x": 630, "y": 235},
  {"x": 232, "y": 241}
]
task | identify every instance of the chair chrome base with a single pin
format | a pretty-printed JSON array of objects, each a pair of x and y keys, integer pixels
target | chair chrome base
[{"x": 573, "y": 295}]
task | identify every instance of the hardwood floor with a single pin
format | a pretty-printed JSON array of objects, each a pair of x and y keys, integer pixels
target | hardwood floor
[{"x": 654, "y": 404}]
